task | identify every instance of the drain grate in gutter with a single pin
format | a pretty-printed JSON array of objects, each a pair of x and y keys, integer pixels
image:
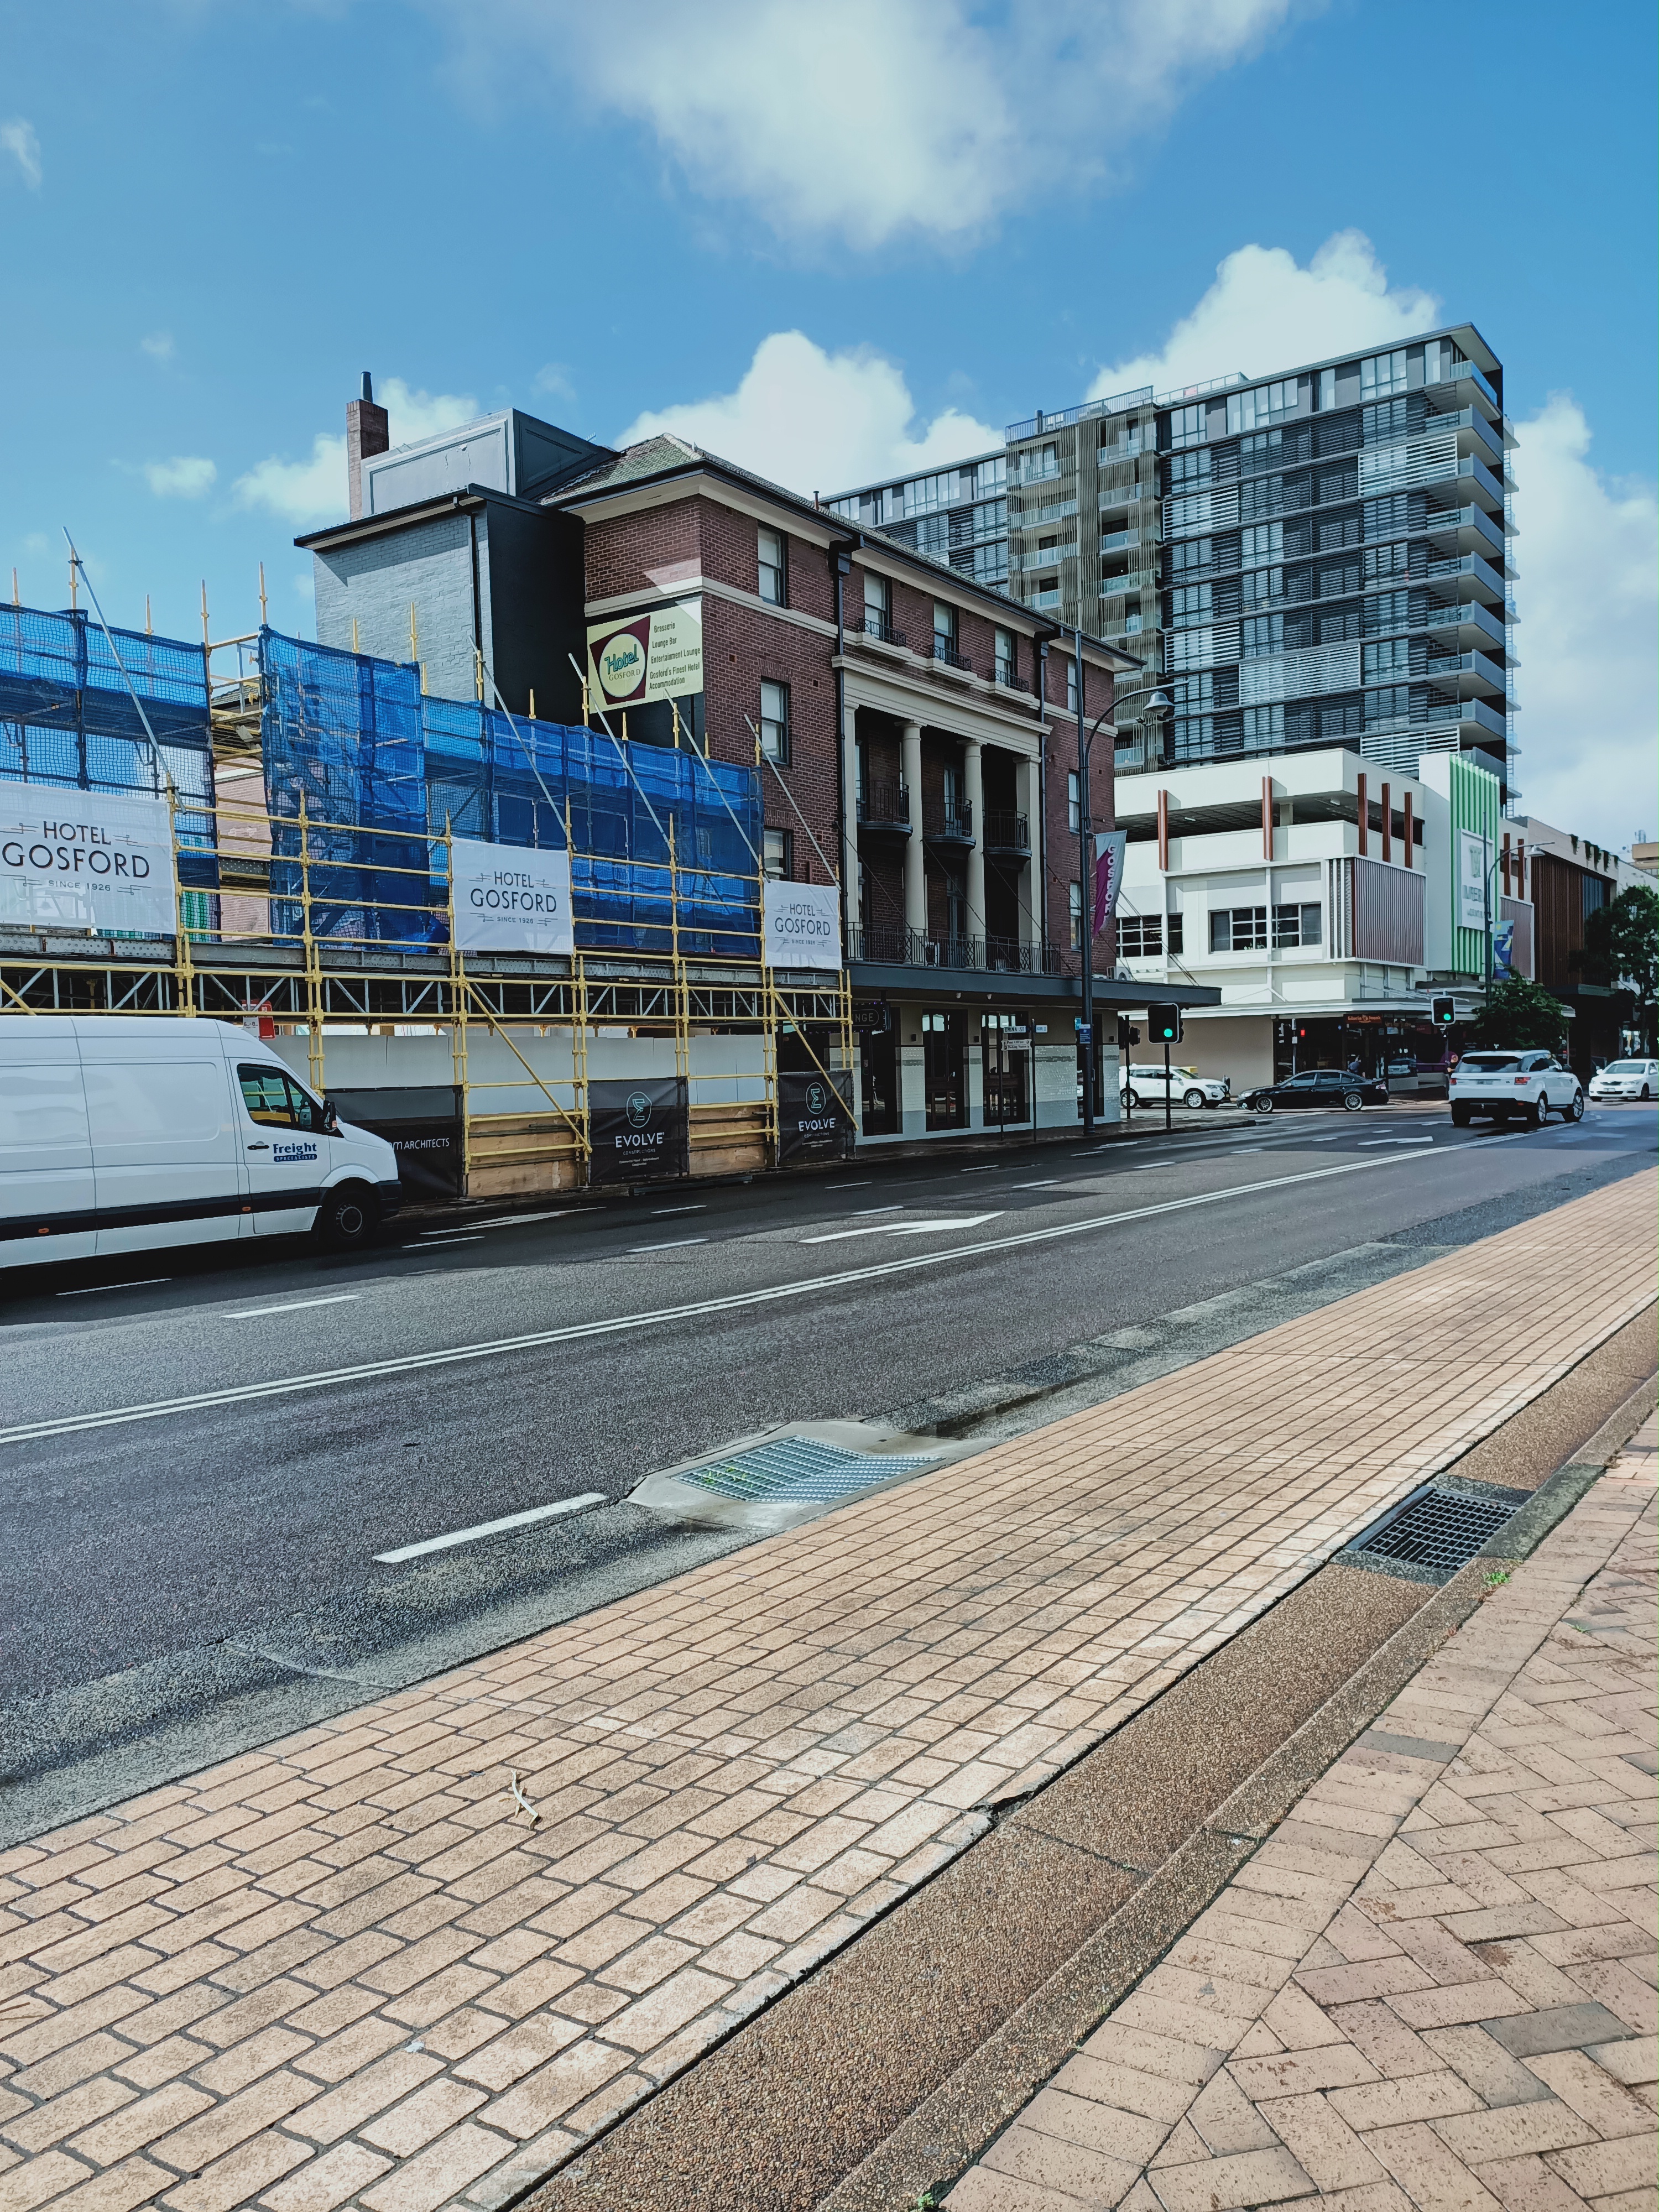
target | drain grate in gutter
[
  {"x": 1434, "y": 1534},
  {"x": 801, "y": 1469}
]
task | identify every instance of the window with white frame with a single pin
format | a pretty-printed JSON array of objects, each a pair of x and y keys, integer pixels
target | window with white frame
[
  {"x": 777, "y": 854},
  {"x": 1073, "y": 804},
  {"x": 1071, "y": 684},
  {"x": 1140, "y": 936},
  {"x": 774, "y": 720},
  {"x": 1296, "y": 925},
  {"x": 944, "y": 626},
  {"x": 877, "y": 602},
  {"x": 774, "y": 569},
  {"x": 1384, "y": 373},
  {"x": 1074, "y": 909},
  {"x": 1006, "y": 660},
  {"x": 1238, "y": 929}
]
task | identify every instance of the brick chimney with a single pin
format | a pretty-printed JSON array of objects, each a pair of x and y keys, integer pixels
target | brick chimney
[{"x": 368, "y": 431}]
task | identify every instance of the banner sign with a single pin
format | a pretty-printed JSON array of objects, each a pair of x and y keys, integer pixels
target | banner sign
[
  {"x": 815, "y": 1120},
  {"x": 640, "y": 1132},
  {"x": 85, "y": 860},
  {"x": 511, "y": 898},
  {"x": 645, "y": 657},
  {"x": 1503, "y": 953},
  {"x": 1471, "y": 880},
  {"x": 800, "y": 924},
  {"x": 1108, "y": 873}
]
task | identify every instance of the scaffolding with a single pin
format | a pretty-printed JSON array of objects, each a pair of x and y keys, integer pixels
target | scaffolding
[{"x": 323, "y": 913}]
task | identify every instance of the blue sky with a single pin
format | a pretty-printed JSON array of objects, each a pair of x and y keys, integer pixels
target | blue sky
[{"x": 215, "y": 216}]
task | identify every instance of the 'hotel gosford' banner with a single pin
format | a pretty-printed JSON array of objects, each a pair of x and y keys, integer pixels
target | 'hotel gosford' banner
[
  {"x": 85, "y": 860},
  {"x": 511, "y": 898},
  {"x": 800, "y": 924}
]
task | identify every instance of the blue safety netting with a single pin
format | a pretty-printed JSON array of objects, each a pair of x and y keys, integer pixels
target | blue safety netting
[{"x": 356, "y": 735}]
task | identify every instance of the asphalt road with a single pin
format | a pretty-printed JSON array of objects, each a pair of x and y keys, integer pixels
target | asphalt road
[{"x": 200, "y": 1467}]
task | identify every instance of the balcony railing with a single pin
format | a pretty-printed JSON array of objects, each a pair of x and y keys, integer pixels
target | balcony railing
[
  {"x": 915, "y": 948},
  {"x": 946, "y": 652},
  {"x": 949, "y": 820},
  {"x": 885, "y": 806},
  {"x": 1005, "y": 831},
  {"x": 878, "y": 627},
  {"x": 1008, "y": 680}
]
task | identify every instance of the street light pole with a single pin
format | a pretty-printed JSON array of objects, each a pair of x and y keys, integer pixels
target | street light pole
[{"x": 1085, "y": 833}]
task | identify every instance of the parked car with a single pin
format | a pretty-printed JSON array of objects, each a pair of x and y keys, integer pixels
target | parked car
[
  {"x": 120, "y": 1133},
  {"x": 1319, "y": 1086},
  {"x": 1515, "y": 1087},
  {"x": 1626, "y": 1078},
  {"x": 1145, "y": 1086}
]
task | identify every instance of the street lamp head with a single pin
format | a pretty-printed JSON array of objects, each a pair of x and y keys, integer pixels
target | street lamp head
[{"x": 1159, "y": 704}]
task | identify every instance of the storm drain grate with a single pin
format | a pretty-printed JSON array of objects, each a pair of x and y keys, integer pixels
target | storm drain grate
[
  {"x": 801, "y": 1467},
  {"x": 1438, "y": 1533}
]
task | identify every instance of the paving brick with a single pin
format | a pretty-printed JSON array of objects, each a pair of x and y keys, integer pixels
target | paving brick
[
  {"x": 1256, "y": 2176},
  {"x": 239, "y": 2176},
  {"x": 142, "y": 2124},
  {"x": 327, "y": 2181}
]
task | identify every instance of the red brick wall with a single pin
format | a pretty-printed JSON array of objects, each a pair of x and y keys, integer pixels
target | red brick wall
[{"x": 1062, "y": 841}]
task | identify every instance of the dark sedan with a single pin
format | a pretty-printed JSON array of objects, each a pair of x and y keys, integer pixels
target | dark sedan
[{"x": 1319, "y": 1086}]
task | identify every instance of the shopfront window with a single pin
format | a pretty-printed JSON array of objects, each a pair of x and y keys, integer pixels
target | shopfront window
[{"x": 945, "y": 1070}]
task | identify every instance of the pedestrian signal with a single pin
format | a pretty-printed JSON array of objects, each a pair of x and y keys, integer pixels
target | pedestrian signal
[{"x": 1164, "y": 1024}]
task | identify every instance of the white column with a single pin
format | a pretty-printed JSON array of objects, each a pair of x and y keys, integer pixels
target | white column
[
  {"x": 849, "y": 821},
  {"x": 974, "y": 791},
  {"x": 1031, "y": 905},
  {"x": 915, "y": 878}
]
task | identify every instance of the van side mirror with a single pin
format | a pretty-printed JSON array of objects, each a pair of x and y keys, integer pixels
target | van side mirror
[{"x": 331, "y": 1118}]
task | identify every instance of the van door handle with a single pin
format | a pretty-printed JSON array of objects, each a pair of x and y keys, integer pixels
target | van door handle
[{"x": 258, "y": 1148}]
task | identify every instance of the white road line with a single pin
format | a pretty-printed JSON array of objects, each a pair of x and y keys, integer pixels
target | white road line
[
  {"x": 492, "y": 1528},
  {"x": 1052, "y": 1184},
  {"x": 1367, "y": 1142},
  {"x": 865, "y": 1185},
  {"x": 92, "y": 1290},
  {"x": 510, "y": 1220},
  {"x": 450, "y": 1235},
  {"x": 860, "y": 1211},
  {"x": 701, "y": 1207},
  {"x": 990, "y": 1168},
  {"x": 905, "y": 1228},
  {"x": 297, "y": 1305},
  {"x": 470, "y": 1237},
  {"x": 671, "y": 1244},
  {"x": 733, "y": 1302}
]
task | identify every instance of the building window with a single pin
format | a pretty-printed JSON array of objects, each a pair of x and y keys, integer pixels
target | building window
[
  {"x": 1268, "y": 402},
  {"x": 1264, "y": 725},
  {"x": 1239, "y": 929},
  {"x": 1262, "y": 587},
  {"x": 1263, "y": 633},
  {"x": 1043, "y": 461},
  {"x": 1074, "y": 910},
  {"x": 944, "y": 626},
  {"x": 1140, "y": 936},
  {"x": 1175, "y": 933},
  {"x": 1192, "y": 603},
  {"x": 1073, "y": 804},
  {"x": 774, "y": 720},
  {"x": 1071, "y": 684},
  {"x": 1384, "y": 373},
  {"x": 877, "y": 604},
  {"x": 1186, "y": 426},
  {"x": 1384, "y": 662},
  {"x": 778, "y": 854},
  {"x": 1265, "y": 542},
  {"x": 1007, "y": 667},
  {"x": 1296, "y": 925},
  {"x": 774, "y": 572},
  {"x": 1391, "y": 704}
]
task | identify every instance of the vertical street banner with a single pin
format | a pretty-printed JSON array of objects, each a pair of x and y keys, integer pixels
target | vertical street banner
[
  {"x": 511, "y": 898},
  {"x": 644, "y": 657},
  {"x": 815, "y": 1120},
  {"x": 85, "y": 860},
  {"x": 1471, "y": 880},
  {"x": 1503, "y": 953},
  {"x": 800, "y": 924},
  {"x": 640, "y": 1132},
  {"x": 1109, "y": 874}
]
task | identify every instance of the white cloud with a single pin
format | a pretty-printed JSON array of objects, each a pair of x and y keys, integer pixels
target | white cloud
[
  {"x": 315, "y": 489},
  {"x": 875, "y": 118},
  {"x": 552, "y": 381},
  {"x": 1587, "y": 579},
  {"x": 1264, "y": 313},
  {"x": 158, "y": 345},
  {"x": 186, "y": 476},
  {"x": 19, "y": 139},
  {"x": 819, "y": 422}
]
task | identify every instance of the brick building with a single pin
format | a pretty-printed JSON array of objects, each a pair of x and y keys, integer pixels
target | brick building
[{"x": 917, "y": 729}]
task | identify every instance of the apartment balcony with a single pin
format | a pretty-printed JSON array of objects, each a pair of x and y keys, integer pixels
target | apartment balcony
[
  {"x": 1481, "y": 572},
  {"x": 1469, "y": 675},
  {"x": 1472, "y": 623},
  {"x": 876, "y": 631},
  {"x": 915, "y": 948},
  {"x": 1119, "y": 541},
  {"x": 1007, "y": 832},
  {"x": 949, "y": 661},
  {"x": 885, "y": 806},
  {"x": 1041, "y": 599},
  {"x": 1470, "y": 528},
  {"x": 1008, "y": 681},
  {"x": 947, "y": 821},
  {"x": 1474, "y": 434}
]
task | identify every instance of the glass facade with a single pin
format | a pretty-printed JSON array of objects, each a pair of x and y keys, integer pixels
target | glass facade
[{"x": 958, "y": 515}]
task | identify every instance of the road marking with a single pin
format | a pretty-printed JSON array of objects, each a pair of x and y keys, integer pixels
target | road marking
[
  {"x": 865, "y": 1185},
  {"x": 1051, "y": 1184},
  {"x": 449, "y": 1235},
  {"x": 733, "y": 1302},
  {"x": 861, "y": 1210},
  {"x": 990, "y": 1168},
  {"x": 492, "y": 1527},
  {"x": 905, "y": 1228},
  {"x": 92, "y": 1289},
  {"x": 297, "y": 1305},
  {"x": 671, "y": 1244},
  {"x": 1367, "y": 1142},
  {"x": 510, "y": 1220},
  {"x": 472, "y": 1237},
  {"x": 701, "y": 1207}
]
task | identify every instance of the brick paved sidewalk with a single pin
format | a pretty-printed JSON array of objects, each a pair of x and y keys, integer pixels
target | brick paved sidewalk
[
  {"x": 344, "y": 1970},
  {"x": 1434, "y": 1984}
]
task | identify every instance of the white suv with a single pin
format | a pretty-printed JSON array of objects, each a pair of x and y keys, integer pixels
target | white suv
[
  {"x": 1527, "y": 1086},
  {"x": 1626, "y": 1078},
  {"x": 1145, "y": 1086}
]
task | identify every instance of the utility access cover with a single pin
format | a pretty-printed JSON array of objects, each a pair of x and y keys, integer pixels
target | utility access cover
[
  {"x": 802, "y": 1467},
  {"x": 1436, "y": 1534}
]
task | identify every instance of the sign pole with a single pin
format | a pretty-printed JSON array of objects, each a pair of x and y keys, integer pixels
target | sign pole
[{"x": 1168, "y": 1121}]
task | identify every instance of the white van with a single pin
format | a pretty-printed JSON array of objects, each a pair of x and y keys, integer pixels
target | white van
[{"x": 120, "y": 1133}]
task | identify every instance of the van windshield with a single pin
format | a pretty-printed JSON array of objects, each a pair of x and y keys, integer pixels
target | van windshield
[
  {"x": 1492, "y": 1063},
  {"x": 276, "y": 1101}
]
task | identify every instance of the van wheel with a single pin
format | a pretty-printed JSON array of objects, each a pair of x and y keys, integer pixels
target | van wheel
[{"x": 348, "y": 1217}]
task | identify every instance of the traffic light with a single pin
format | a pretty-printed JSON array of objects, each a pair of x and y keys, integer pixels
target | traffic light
[
  {"x": 1164, "y": 1024},
  {"x": 1443, "y": 1013},
  {"x": 1126, "y": 1037}
]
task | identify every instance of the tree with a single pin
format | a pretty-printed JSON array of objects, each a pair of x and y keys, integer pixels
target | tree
[
  {"x": 1521, "y": 1016},
  {"x": 1621, "y": 948}
]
